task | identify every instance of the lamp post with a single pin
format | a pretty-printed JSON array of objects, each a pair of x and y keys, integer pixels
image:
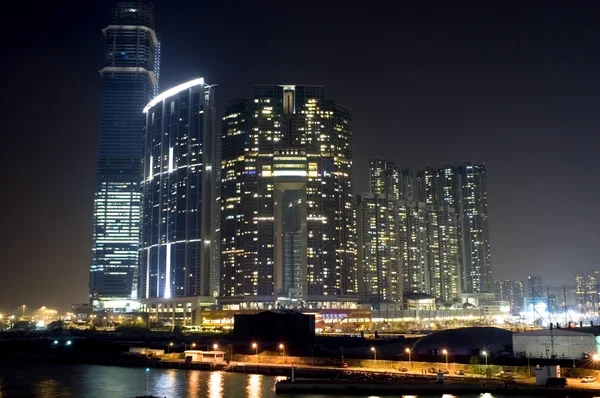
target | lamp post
[
  {"x": 23, "y": 310},
  {"x": 484, "y": 353},
  {"x": 169, "y": 347},
  {"x": 148, "y": 381},
  {"x": 215, "y": 346},
  {"x": 407, "y": 350},
  {"x": 255, "y": 346},
  {"x": 374, "y": 354},
  {"x": 282, "y": 348},
  {"x": 445, "y": 352}
]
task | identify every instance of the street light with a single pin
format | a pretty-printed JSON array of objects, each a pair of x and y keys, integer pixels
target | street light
[
  {"x": 169, "y": 347},
  {"x": 374, "y": 353},
  {"x": 484, "y": 353},
  {"x": 215, "y": 346},
  {"x": 148, "y": 381},
  {"x": 281, "y": 347},
  {"x": 407, "y": 350},
  {"x": 445, "y": 352},
  {"x": 255, "y": 346},
  {"x": 193, "y": 345}
]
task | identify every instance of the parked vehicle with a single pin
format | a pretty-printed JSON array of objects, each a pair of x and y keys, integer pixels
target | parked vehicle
[
  {"x": 444, "y": 371},
  {"x": 459, "y": 372},
  {"x": 588, "y": 379},
  {"x": 556, "y": 382},
  {"x": 344, "y": 365},
  {"x": 403, "y": 370},
  {"x": 431, "y": 370}
]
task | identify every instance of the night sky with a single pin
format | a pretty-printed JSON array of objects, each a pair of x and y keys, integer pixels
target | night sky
[{"x": 516, "y": 88}]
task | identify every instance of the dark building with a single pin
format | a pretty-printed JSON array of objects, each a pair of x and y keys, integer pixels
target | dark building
[
  {"x": 465, "y": 342},
  {"x": 129, "y": 80},
  {"x": 287, "y": 216},
  {"x": 271, "y": 328},
  {"x": 179, "y": 194}
]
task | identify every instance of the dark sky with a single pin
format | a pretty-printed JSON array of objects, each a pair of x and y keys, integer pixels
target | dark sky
[{"x": 516, "y": 88}]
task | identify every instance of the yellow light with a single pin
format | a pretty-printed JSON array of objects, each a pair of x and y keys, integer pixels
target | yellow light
[
  {"x": 373, "y": 349},
  {"x": 281, "y": 346},
  {"x": 254, "y": 345},
  {"x": 193, "y": 345},
  {"x": 215, "y": 346},
  {"x": 444, "y": 351},
  {"x": 407, "y": 350},
  {"x": 595, "y": 357},
  {"x": 171, "y": 344}
]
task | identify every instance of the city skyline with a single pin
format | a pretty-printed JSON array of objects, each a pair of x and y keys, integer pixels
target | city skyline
[{"x": 547, "y": 128}]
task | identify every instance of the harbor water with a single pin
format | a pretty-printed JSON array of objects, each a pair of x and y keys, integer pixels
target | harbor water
[{"x": 26, "y": 379}]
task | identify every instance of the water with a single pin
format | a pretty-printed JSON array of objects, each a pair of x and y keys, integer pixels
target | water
[{"x": 90, "y": 381}]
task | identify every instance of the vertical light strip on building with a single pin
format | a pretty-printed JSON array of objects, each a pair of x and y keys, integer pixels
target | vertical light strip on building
[
  {"x": 148, "y": 273},
  {"x": 168, "y": 272},
  {"x": 170, "y": 159}
]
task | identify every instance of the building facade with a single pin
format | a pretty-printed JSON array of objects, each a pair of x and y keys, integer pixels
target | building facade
[
  {"x": 129, "y": 80},
  {"x": 587, "y": 290},
  {"x": 379, "y": 256},
  {"x": 179, "y": 192},
  {"x": 429, "y": 247},
  {"x": 287, "y": 215},
  {"x": 510, "y": 291}
]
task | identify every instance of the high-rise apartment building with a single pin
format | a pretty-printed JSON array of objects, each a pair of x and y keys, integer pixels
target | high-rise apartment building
[
  {"x": 510, "y": 291},
  {"x": 129, "y": 80},
  {"x": 587, "y": 290},
  {"x": 179, "y": 194},
  {"x": 463, "y": 187},
  {"x": 429, "y": 247},
  {"x": 387, "y": 178},
  {"x": 379, "y": 256},
  {"x": 474, "y": 236},
  {"x": 287, "y": 215}
]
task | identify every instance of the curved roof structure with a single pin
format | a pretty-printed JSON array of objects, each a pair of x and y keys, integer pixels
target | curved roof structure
[
  {"x": 464, "y": 341},
  {"x": 172, "y": 91}
]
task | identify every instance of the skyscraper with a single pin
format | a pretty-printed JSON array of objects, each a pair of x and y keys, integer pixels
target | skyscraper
[
  {"x": 463, "y": 187},
  {"x": 510, "y": 291},
  {"x": 429, "y": 246},
  {"x": 129, "y": 81},
  {"x": 287, "y": 220},
  {"x": 179, "y": 192},
  {"x": 474, "y": 236},
  {"x": 587, "y": 289},
  {"x": 379, "y": 255}
]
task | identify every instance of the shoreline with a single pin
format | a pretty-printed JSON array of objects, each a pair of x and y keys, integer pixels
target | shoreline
[
  {"x": 326, "y": 381},
  {"x": 369, "y": 387}
]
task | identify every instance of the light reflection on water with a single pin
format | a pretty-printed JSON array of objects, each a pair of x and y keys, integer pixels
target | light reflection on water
[
  {"x": 215, "y": 385},
  {"x": 91, "y": 381},
  {"x": 253, "y": 388}
]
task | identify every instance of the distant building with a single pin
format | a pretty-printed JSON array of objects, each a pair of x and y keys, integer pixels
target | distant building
[
  {"x": 179, "y": 194},
  {"x": 379, "y": 255},
  {"x": 462, "y": 187},
  {"x": 535, "y": 292},
  {"x": 129, "y": 80},
  {"x": 510, "y": 291},
  {"x": 429, "y": 247},
  {"x": 587, "y": 290}
]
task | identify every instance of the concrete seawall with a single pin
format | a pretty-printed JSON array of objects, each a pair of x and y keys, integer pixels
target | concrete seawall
[{"x": 392, "y": 388}]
